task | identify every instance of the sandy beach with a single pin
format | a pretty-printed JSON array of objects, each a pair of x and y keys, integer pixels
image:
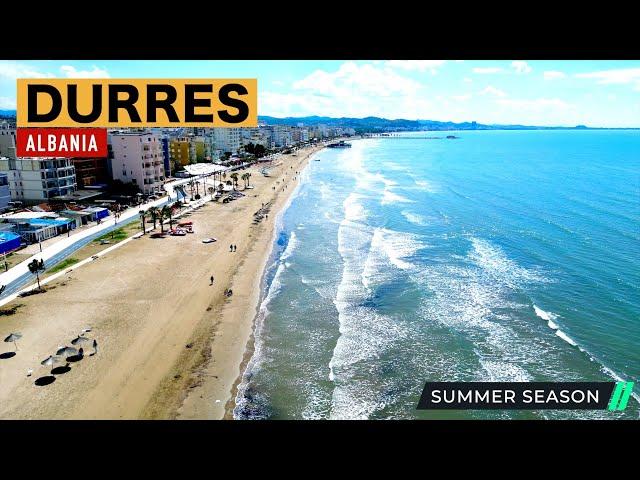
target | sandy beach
[{"x": 170, "y": 343}]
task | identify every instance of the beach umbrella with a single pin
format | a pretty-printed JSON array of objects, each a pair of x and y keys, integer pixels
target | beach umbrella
[
  {"x": 50, "y": 361},
  {"x": 82, "y": 341},
  {"x": 12, "y": 338},
  {"x": 67, "y": 352}
]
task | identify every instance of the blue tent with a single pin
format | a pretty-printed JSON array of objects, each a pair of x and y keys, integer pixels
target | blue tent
[{"x": 9, "y": 241}]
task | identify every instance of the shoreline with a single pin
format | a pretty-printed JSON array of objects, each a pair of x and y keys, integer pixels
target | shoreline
[{"x": 210, "y": 397}]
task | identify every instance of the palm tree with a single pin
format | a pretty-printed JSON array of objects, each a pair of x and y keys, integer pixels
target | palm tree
[
  {"x": 34, "y": 268},
  {"x": 165, "y": 212},
  {"x": 143, "y": 218},
  {"x": 234, "y": 177},
  {"x": 154, "y": 212},
  {"x": 248, "y": 177}
]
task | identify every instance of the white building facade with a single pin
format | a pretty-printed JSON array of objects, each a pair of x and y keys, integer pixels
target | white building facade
[
  {"x": 36, "y": 180},
  {"x": 228, "y": 139},
  {"x": 138, "y": 158}
]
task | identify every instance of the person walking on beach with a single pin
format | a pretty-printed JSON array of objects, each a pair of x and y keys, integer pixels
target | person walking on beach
[
  {"x": 211, "y": 280},
  {"x": 231, "y": 247}
]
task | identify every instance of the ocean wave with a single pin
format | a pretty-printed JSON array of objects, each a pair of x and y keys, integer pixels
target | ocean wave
[
  {"x": 291, "y": 246},
  {"x": 547, "y": 316},
  {"x": 389, "y": 247},
  {"x": 389, "y": 197},
  {"x": 495, "y": 263},
  {"x": 415, "y": 218},
  {"x": 353, "y": 208},
  {"x": 566, "y": 338}
]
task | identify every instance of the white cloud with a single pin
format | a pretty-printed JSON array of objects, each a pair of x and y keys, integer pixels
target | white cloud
[
  {"x": 13, "y": 70},
  {"x": 489, "y": 90},
  {"x": 620, "y": 76},
  {"x": 7, "y": 103},
  {"x": 95, "y": 72},
  {"x": 355, "y": 90},
  {"x": 467, "y": 80},
  {"x": 462, "y": 98},
  {"x": 537, "y": 105},
  {"x": 521, "y": 67},
  {"x": 553, "y": 75},
  {"x": 352, "y": 80},
  {"x": 279, "y": 83},
  {"x": 487, "y": 70},
  {"x": 417, "y": 65}
]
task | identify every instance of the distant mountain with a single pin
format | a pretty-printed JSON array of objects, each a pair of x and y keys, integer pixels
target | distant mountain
[{"x": 376, "y": 124}]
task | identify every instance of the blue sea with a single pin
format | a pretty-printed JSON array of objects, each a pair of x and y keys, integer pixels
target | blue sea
[{"x": 495, "y": 256}]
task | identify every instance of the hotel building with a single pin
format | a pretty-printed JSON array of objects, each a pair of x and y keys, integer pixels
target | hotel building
[
  {"x": 137, "y": 158},
  {"x": 36, "y": 180}
]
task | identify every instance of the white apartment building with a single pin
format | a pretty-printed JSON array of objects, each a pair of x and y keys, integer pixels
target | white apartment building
[
  {"x": 36, "y": 180},
  {"x": 138, "y": 158},
  {"x": 257, "y": 136},
  {"x": 228, "y": 139},
  {"x": 7, "y": 140},
  {"x": 282, "y": 135}
]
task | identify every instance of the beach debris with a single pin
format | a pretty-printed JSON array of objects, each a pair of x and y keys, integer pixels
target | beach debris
[
  {"x": 13, "y": 338},
  {"x": 29, "y": 372},
  {"x": 209, "y": 240}
]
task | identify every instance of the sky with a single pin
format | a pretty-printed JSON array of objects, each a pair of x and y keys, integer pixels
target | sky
[{"x": 558, "y": 93}]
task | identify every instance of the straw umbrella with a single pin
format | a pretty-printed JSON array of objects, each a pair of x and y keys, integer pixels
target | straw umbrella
[
  {"x": 67, "y": 352},
  {"x": 50, "y": 361},
  {"x": 82, "y": 341},
  {"x": 12, "y": 338}
]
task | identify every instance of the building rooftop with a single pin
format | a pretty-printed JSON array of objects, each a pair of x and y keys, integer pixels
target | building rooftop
[{"x": 77, "y": 196}]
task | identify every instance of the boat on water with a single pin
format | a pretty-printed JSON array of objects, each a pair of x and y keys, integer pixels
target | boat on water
[{"x": 340, "y": 144}]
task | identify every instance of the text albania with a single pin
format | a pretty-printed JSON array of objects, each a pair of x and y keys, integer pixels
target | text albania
[{"x": 80, "y": 142}]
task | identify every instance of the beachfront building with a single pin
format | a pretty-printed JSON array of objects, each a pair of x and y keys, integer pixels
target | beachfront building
[
  {"x": 180, "y": 152},
  {"x": 7, "y": 140},
  {"x": 282, "y": 136},
  {"x": 138, "y": 159},
  {"x": 228, "y": 139},
  {"x": 5, "y": 192},
  {"x": 35, "y": 180},
  {"x": 90, "y": 171},
  {"x": 35, "y": 227}
]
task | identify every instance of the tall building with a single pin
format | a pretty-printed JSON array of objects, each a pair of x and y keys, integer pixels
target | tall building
[
  {"x": 228, "y": 139},
  {"x": 36, "y": 180},
  {"x": 90, "y": 171},
  {"x": 180, "y": 152},
  {"x": 7, "y": 140},
  {"x": 5, "y": 192},
  {"x": 138, "y": 159}
]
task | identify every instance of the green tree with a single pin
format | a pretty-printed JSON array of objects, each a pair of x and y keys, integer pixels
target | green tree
[
  {"x": 34, "y": 268},
  {"x": 165, "y": 213},
  {"x": 154, "y": 213},
  {"x": 234, "y": 177}
]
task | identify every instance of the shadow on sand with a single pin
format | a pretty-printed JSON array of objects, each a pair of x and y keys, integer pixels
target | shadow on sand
[
  {"x": 5, "y": 355},
  {"x": 61, "y": 370},
  {"x": 75, "y": 358},
  {"x": 47, "y": 380}
]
